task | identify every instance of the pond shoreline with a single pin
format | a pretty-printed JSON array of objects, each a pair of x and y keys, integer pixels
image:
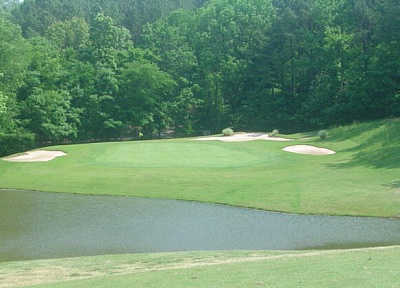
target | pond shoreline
[
  {"x": 206, "y": 202},
  {"x": 57, "y": 225}
]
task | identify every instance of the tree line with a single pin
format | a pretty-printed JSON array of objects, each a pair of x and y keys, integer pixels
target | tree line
[{"x": 79, "y": 70}]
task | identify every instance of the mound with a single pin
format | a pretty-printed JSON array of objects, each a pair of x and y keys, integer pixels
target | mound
[
  {"x": 308, "y": 149},
  {"x": 36, "y": 156},
  {"x": 240, "y": 137}
]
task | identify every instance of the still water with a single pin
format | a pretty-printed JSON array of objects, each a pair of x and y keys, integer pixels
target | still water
[{"x": 37, "y": 225}]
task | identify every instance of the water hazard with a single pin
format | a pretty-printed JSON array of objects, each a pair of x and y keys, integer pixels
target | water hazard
[{"x": 37, "y": 225}]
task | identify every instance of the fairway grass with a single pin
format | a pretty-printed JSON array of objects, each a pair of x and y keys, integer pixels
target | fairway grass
[
  {"x": 362, "y": 178},
  {"x": 363, "y": 268}
]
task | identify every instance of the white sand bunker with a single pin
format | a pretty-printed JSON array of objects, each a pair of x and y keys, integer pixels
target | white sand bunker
[
  {"x": 36, "y": 156},
  {"x": 240, "y": 137},
  {"x": 308, "y": 149}
]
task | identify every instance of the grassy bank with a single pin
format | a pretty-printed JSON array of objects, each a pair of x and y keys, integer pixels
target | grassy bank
[
  {"x": 361, "y": 179},
  {"x": 371, "y": 267}
]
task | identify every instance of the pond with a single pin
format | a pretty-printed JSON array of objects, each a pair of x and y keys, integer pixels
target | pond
[{"x": 36, "y": 225}]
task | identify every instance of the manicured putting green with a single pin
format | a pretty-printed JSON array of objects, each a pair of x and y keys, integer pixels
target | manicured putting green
[{"x": 181, "y": 155}]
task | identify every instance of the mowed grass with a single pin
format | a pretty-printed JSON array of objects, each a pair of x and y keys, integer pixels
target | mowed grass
[
  {"x": 363, "y": 178},
  {"x": 361, "y": 268}
]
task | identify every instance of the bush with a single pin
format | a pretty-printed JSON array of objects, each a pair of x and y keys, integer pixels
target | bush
[
  {"x": 322, "y": 134},
  {"x": 16, "y": 142},
  {"x": 227, "y": 132},
  {"x": 274, "y": 132}
]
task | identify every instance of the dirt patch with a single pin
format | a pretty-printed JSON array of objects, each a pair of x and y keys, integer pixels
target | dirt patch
[
  {"x": 36, "y": 156},
  {"x": 243, "y": 137},
  {"x": 308, "y": 149}
]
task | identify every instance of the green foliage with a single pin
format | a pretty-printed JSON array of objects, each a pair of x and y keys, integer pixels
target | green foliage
[
  {"x": 106, "y": 37},
  {"x": 72, "y": 33},
  {"x": 293, "y": 65},
  {"x": 3, "y": 100},
  {"x": 322, "y": 134},
  {"x": 49, "y": 115},
  {"x": 184, "y": 108},
  {"x": 3, "y": 112},
  {"x": 145, "y": 96},
  {"x": 227, "y": 132},
  {"x": 15, "y": 55},
  {"x": 35, "y": 16},
  {"x": 16, "y": 142}
]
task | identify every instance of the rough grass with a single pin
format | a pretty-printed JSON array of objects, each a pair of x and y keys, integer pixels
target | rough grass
[
  {"x": 371, "y": 267},
  {"x": 22, "y": 273},
  {"x": 359, "y": 180}
]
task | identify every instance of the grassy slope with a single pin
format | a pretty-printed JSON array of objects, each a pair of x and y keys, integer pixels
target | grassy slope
[
  {"x": 358, "y": 268},
  {"x": 361, "y": 179}
]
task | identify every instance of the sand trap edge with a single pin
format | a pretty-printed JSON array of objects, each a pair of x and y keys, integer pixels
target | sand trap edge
[
  {"x": 243, "y": 137},
  {"x": 308, "y": 150},
  {"x": 35, "y": 156}
]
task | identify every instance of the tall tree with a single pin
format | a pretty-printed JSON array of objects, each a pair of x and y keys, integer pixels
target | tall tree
[
  {"x": 14, "y": 58},
  {"x": 145, "y": 96}
]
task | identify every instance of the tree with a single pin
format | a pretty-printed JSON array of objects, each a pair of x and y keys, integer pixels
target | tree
[
  {"x": 73, "y": 34},
  {"x": 105, "y": 56},
  {"x": 15, "y": 54},
  {"x": 145, "y": 96},
  {"x": 3, "y": 104},
  {"x": 49, "y": 115},
  {"x": 250, "y": 64}
]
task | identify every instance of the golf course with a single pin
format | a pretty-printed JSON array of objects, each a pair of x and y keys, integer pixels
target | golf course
[
  {"x": 360, "y": 179},
  {"x": 200, "y": 143}
]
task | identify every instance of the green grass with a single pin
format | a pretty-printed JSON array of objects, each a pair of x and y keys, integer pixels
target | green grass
[
  {"x": 361, "y": 179},
  {"x": 58, "y": 270},
  {"x": 361, "y": 268}
]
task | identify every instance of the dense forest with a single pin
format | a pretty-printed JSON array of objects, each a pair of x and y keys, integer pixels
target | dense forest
[{"x": 80, "y": 70}]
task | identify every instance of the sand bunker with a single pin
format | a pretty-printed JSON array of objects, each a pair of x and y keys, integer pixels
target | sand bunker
[
  {"x": 240, "y": 137},
  {"x": 36, "y": 156},
  {"x": 308, "y": 149}
]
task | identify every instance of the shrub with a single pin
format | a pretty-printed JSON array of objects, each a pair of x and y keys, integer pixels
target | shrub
[
  {"x": 227, "y": 132},
  {"x": 322, "y": 134},
  {"x": 274, "y": 132},
  {"x": 16, "y": 142}
]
